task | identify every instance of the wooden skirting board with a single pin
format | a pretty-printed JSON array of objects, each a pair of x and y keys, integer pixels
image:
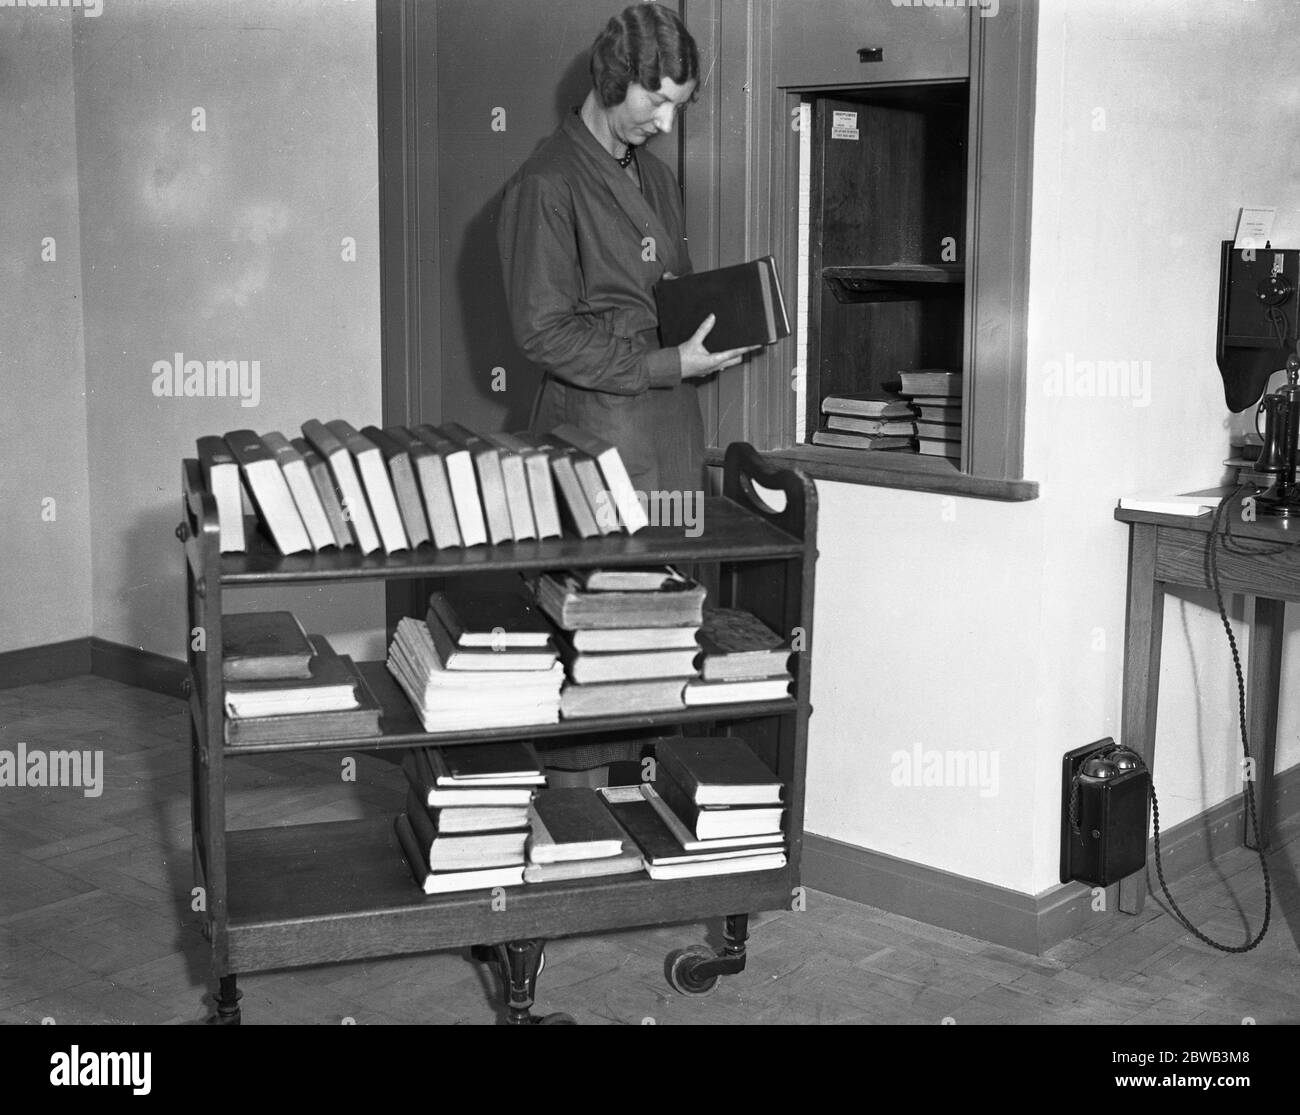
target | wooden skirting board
[{"x": 1030, "y": 923}]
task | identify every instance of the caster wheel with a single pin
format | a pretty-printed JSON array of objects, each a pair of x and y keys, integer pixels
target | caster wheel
[
  {"x": 557, "y": 1019},
  {"x": 681, "y": 967}
]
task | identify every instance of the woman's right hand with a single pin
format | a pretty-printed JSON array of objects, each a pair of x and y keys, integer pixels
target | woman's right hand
[{"x": 698, "y": 361}]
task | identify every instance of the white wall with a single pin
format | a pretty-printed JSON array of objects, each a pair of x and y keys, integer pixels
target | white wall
[
  {"x": 968, "y": 625},
  {"x": 222, "y": 243},
  {"x": 44, "y": 511}
]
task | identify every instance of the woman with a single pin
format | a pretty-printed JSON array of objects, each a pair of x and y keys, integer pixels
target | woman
[{"x": 588, "y": 225}]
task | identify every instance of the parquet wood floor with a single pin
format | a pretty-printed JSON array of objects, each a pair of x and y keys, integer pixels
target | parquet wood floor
[{"x": 95, "y": 923}]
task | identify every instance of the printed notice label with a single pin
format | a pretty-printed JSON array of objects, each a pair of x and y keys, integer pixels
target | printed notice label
[
  {"x": 844, "y": 125},
  {"x": 1254, "y": 226}
]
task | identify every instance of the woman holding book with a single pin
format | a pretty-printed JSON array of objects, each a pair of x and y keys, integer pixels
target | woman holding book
[{"x": 588, "y": 225}]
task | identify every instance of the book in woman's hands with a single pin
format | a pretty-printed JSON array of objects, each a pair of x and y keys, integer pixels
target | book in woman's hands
[{"x": 746, "y": 298}]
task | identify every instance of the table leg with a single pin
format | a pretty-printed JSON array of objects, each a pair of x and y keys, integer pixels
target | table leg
[
  {"x": 1143, "y": 630},
  {"x": 1264, "y": 679}
]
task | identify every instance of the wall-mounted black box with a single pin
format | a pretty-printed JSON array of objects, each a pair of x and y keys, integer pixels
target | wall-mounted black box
[{"x": 1111, "y": 815}]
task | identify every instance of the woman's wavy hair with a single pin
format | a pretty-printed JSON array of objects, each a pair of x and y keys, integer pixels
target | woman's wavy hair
[{"x": 644, "y": 43}]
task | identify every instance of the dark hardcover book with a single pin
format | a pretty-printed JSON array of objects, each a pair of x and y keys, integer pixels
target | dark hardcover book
[
  {"x": 221, "y": 475},
  {"x": 931, "y": 413},
  {"x": 514, "y": 476},
  {"x": 872, "y": 427},
  {"x": 270, "y": 492},
  {"x": 571, "y": 824},
  {"x": 452, "y": 656},
  {"x": 491, "y": 619},
  {"x": 420, "y": 774},
  {"x": 401, "y": 472},
  {"x": 482, "y": 763},
  {"x": 325, "y": 671},
  {"x": 715, "y": 822},
  {"x": 737, "y": 644},
  {"x": 260, "y": 645},
  {"x": 584, "y": 668},
  {"x": 865, "y": 405},
  {"x": 361, "y": 722},
  {"x": 746, "y": 298},
  {"x": 645, "y": 579},
  {"x": 841, "y": 440},
  {"x": 434, "y": 485},
  {"x": 326, "y": 491},
  {"x": 939, "y": 431},
  {"x": 491, "y": 481},
  {"x": 718, "y": 770}
]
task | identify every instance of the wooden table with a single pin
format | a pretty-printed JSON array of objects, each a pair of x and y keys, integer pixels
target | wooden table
[{"x": 1171, "y": 550}]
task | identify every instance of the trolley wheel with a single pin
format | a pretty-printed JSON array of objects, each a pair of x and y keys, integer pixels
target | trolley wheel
[
  {"x": 681, "y": 967},
  {"x": 557, "y": 1019}
]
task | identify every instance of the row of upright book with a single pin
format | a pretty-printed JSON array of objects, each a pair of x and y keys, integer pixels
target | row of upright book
[
  {"x": 482, "y": 816},
  {"x": 923, "y": 415},
  {"x": 582, "y": 643},
  {"x": 400, "y": 488}
]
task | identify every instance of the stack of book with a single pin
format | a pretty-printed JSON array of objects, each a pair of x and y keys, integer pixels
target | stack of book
[
  {"x": 573, "y": 836},
  {"x": 743, "y": 660},
  {"x": 713, "y": 809},
  {"x": 282, "y": 686},
  {"x": 936, "y": 395},
  {"x": 400, "y": 488},
  {"x": 866, "y": 421},
  {"x": 627, "y": 637},
  {"x": 477, "y": 661},
  {"x": 465, "y": 825}
]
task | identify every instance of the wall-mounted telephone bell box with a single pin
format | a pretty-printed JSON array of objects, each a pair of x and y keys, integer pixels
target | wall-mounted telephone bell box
[{"x": 1258, "y": 315}]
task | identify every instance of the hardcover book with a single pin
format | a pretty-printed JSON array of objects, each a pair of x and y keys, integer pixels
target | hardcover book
[
  {"x": 491, "y": 619},
  {"x": 746, "y": 298},
  {"x": 737, "y": 644},
  {"x": 447, "y": 882},
  {"x": 459, "y": 465},
  {"x": 301, "y": 487},
  {"x": 327, "y": 492},
  {"x": 491, "y": 481},
  {"x": 361, "y": 722},
  {"x": 619, "y": 488},
  {"x": 379, "y": 488},
  {"x": 401, "y": 473},
  {"x": 270, "y": 491},
  {"x": 221, "y": 475},
  {"x": 421, "y": 775},
  {"x": 864, "y": 405},
  {"x": 514, "y": 476},
  {"x": 434, "y": 486},
  {"x": 262, "y": 645},
  {"x": 352, "y": 497},
  {"x": 718, "y": 770},
  {"x": 571, "y": 824}
]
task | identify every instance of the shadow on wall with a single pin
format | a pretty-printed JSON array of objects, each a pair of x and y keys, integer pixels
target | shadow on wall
[{"x": 484, "y": 315}]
